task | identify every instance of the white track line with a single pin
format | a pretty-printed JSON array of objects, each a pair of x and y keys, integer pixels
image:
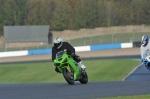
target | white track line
[{"x": 132, "y": 71}]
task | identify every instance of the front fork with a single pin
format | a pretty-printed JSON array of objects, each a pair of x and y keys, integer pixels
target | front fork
[
  {"x": 67, "y": 67},
  {"x": 75, "y": 73}
]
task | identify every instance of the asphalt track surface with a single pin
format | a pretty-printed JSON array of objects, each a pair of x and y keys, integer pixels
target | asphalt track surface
[
  {"x": 137, "y": 83},
  {"x": 140, "y": 74}
]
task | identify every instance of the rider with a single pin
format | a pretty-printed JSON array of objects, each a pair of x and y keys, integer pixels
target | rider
[
  {"x": 145, "y": 44},
  {"x": 59, "y": 45}
]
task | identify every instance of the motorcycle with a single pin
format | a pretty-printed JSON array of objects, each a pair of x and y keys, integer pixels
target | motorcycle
[
  {"x": 69, "y": 68},
  {"x": 146, "y": 59}
]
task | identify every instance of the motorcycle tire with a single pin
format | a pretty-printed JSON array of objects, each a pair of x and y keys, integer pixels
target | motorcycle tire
[
  {"x": 84, "y": 78},
  {"x": 67, "y": 77}
]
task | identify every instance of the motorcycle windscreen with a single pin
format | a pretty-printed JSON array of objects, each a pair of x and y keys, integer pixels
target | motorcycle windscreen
[{"x": 59, "y": 54}]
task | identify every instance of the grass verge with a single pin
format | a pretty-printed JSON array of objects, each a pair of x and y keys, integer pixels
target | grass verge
[
  {"x": 98, "y": 70},
  {"x": 129, "y": 97}
]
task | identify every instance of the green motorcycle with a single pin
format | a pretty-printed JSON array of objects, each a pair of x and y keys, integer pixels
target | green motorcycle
[{"x": 70, "y": 68}]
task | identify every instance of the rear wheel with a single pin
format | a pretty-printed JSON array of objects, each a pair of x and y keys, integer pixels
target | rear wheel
[
  {"x": 84, "y": 78},
  {"x": 69, "y": 76}
]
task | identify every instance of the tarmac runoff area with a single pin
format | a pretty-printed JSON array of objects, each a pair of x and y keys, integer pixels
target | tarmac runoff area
[{"x": 86, "y": 54}]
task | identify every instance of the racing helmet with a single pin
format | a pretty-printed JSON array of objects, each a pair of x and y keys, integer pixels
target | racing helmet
[
  {"x": 58, "y": 42},
  {"x": 144, "y": 40}
]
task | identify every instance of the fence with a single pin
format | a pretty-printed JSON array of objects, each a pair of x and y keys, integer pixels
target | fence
[
  {"x": 83, "y": 38},
  {"x": 83, "y": 33},
  {"x": 108, "y": 39},
  {"x": 93, "y": 40}
]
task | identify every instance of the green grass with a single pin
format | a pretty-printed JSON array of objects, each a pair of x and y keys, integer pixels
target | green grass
[
  {"x": 129, "y": 97},
  {"x": 98, "y": 70}
]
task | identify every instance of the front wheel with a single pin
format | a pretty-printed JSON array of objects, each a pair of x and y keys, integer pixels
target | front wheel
[
  {"x": 84, "y": 78},
  {"x": 69, "y": 77}
]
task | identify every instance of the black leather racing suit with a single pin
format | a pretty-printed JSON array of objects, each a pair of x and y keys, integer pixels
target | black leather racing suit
[{"x": 70, "y": 51}]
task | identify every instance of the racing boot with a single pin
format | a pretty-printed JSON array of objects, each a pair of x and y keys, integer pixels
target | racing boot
[{"x": 82, "y": 66}]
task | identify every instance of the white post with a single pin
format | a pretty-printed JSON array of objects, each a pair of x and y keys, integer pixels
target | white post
[
  {"x": 5, "y": 46},
  {"x": 84, "y": 42},
  {"x": 112, "y": 37}
]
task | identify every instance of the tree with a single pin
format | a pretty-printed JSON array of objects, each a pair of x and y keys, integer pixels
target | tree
[
  {"x": 2, "y": 16},
  {"x": 61, "y": 15},
  {"x": 15, "y": 12}
]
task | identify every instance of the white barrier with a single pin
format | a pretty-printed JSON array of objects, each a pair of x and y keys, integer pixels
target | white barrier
[
  {"x": 13, "y": 53},
  {"x": 126, "y": 45},
  {"x": 82, "y": 48},
  {"x": 78, "y": 49}
]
